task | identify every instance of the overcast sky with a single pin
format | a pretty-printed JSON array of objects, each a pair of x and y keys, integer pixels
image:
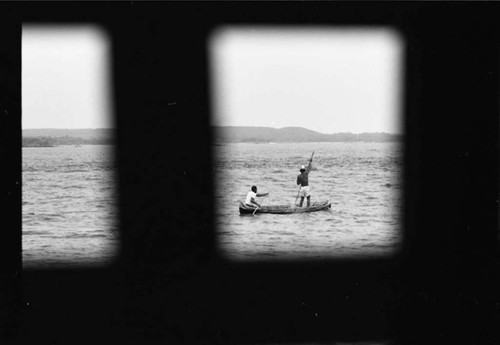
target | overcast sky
[
  {"x": 327, "y": 80},
  {"x": 65, "y": 77}
]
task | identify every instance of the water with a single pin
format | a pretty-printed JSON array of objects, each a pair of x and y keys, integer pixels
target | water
[
  {"x": 362, "y": 180},
  {"x": 70, "y": 203},
  {"x": 69, "y": 206}
]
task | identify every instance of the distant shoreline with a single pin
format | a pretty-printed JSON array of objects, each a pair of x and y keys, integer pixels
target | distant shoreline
[
  {"x": 62, "y": 141},
  {"x": 227, "y": 134},
  {"x": 54, "y": 146},
  {"x": 52, "y": 137},
  {"x": 65, "y": 141}
]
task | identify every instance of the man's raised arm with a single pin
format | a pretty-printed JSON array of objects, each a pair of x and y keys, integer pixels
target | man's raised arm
[{"x": 308, "y": 169}]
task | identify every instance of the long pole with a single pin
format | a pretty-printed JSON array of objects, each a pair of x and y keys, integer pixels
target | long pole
[{"x": 295, "y": 203}]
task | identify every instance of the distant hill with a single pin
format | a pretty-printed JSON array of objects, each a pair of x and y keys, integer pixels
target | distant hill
[
  {"x": 47, "y": 137},
  {"x": 229, "y": 134}
]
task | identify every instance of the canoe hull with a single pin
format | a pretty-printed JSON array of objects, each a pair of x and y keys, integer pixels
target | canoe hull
[{"x": 285, "y": 209}]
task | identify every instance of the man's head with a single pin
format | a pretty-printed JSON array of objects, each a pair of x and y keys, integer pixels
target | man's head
[
  {"x": 254, "y": 189},
  {"x": 302, "y": 169}
]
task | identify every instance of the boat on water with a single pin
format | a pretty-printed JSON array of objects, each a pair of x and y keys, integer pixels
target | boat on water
[{"x": 285, "y": 209}]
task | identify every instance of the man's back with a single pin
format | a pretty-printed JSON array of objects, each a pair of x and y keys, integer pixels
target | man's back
[{"x": 303, "y": 179}]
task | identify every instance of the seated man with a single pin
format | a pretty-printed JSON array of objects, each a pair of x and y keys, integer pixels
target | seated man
[{"x": 250, "y": 200}]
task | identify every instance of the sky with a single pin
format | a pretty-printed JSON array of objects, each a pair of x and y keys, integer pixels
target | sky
[
  {"x": 328, "y": 80},
  {"x": 65, "y": 77}
]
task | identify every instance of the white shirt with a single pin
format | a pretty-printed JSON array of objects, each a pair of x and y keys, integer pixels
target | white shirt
[{"x": 250, "y": 195}]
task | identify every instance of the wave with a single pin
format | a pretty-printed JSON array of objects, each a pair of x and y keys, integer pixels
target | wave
[
  {"x": 52, "y": 216},
  {"x": 35, "y": 232},
  {"x": 76, "y": 171},
  {"x": 41, "y": 170},
  {"x": 69, "y": 236},
  {"x": 73, "y": 187},
  {"x": 88, "y": 236}
]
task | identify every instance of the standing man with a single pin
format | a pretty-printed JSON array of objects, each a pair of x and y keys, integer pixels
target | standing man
[
  {"x": 303, "y": 180},
  {"x": 250, "y": 200}
]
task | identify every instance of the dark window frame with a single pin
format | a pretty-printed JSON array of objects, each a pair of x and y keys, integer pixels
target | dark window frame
[{"x": 171, "y": 285}]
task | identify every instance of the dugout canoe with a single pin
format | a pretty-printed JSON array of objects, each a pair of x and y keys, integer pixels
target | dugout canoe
[{"x": 285, "y": 209}]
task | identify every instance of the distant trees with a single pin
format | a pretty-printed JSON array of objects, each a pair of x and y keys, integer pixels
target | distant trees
[
  {"x": 44, "y": 141},
  {"x": 39, "y": 142}
]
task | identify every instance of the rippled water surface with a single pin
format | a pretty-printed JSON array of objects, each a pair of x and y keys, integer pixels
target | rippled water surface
[
  {"x": 362, "y": 180},
  {"x": 69, "y": 206}
]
